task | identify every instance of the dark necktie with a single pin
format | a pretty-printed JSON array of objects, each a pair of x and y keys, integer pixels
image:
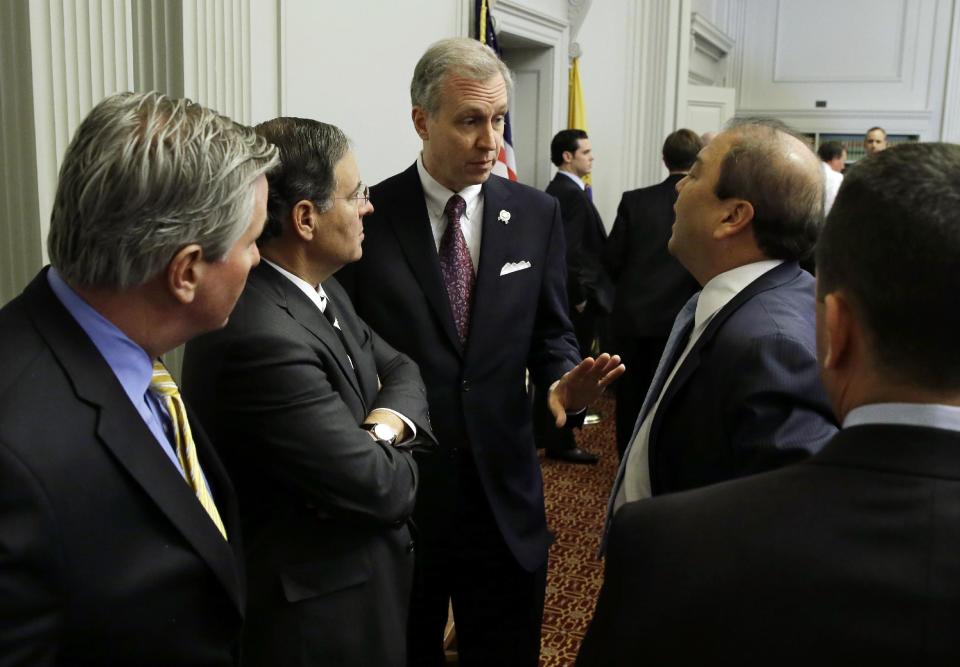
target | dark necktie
[
  {"x": 676, "y": 343},
  {"x": 331, "y": 315},
  {"x": 456, "y": 266}
]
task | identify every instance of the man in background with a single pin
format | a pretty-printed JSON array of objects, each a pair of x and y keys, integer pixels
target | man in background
[
  {"x": 119, "y": 537},
  {"x": 313, "y": 414},
  {"x": 651, "y": 285},
  {"x": 833, "y": 157},
  {"x": 850, "y": 556},
  {"x": 589, "y": 291},
  {"x": 875, "y": 140},
  {"x": 737, "y": 390},
  {"x": 464, "y": 272}
]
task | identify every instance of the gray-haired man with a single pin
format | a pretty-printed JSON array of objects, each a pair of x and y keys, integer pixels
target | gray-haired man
[{"x": 118, "y": 527}]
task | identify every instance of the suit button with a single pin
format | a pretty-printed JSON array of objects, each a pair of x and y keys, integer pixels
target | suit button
[
  {"x": 466, "y": 385},
  {"x": 410, "y": 547}
]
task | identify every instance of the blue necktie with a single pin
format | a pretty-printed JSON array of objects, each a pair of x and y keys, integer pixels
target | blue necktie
[{"x": 679, "y": 335}]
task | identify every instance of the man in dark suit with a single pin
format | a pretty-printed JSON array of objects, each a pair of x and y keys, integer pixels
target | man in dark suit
[
  {"x": 589, "y": 291},
  {"x": 849, "y": 557},
  {"x": 465, "y": 273},
  {"x": 652, "y": 285},
  {"x": 119, "y": 538},
  {"x": 737, "y": 390},
  {"x": 314, "y": 415}
]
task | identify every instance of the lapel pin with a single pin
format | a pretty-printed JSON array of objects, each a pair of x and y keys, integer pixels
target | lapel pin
[{"x": 504, "y": 216}]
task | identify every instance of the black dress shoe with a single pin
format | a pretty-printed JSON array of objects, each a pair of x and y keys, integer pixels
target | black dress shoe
[{"x": 575, "y": 455}]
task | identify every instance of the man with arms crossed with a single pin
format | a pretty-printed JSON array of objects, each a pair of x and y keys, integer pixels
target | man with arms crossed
[
  {"x": 465, "y": 272},
  {"x": 309, "y": 409},
  {"x": 850, "y": 556},
  {"x": 119, "y": 537}
]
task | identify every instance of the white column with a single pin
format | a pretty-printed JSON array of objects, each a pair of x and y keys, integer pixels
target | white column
[
  {"x": 216, "y": 55},
  {"x": 651, "y": 86}
]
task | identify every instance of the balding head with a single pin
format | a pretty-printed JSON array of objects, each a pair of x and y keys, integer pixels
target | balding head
[
  {"x": 777, "y": 172},
  {"x": 755, "y": 192}
]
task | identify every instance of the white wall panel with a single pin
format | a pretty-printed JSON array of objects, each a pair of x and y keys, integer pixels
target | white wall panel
[
  {"x": 808, "y": 49},
  {"x": 350, "y": 64},
  {"x": 872, "y": 62}
]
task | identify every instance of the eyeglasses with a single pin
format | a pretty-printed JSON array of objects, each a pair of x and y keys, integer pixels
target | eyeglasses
[{"x": 361, "y": 198}]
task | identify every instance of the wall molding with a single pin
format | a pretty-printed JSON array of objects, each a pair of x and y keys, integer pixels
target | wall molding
[
  {"x": 709, "y": 39},
  {"x": 519, "y": 20},
  {"x": 950, "y": 127}
]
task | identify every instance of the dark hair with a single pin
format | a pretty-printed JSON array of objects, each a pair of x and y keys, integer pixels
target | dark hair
[
  {"x": 787, "y": 195},
  {"x": 830, "y": 150},
  {"x": 309, "y": 153},
  {"x": 680, "y": 149},
  {"x": 876, "y": 127},
  {"x": 565, "y": 140},
  {"x": 891, "y": 243}
]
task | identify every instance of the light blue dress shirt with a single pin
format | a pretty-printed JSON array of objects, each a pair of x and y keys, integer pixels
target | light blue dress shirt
[
  {"x": 906, "y": 414},
  {"x": 128, "y": 361}
]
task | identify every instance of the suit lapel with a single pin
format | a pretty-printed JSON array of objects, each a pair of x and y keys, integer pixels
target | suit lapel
[
  {"x": 771, "y": 279},
  {"x": 411, "y": 224},
  {"x": 123, "y": 432},
  {"x": 494, "y": 247},
  {"x": 289, "y": 298}
]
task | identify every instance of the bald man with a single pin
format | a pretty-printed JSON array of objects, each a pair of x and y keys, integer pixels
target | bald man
[{"x": 737, "y": 390}]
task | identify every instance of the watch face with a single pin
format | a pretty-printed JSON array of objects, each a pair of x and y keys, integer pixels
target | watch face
[{"x": 384, "y": 432}]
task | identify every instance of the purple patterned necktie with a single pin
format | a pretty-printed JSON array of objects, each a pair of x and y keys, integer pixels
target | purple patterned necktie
[{"x": 456, "y": 266}]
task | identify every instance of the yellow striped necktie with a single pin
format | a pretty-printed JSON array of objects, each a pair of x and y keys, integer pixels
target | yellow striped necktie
[{"x": 163, "y": 385}]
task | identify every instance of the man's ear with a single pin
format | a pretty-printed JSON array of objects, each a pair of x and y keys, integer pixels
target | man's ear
[
  {"x": 567, "y": 157},
  {"x": 304, "y": 216},
  {"x": 838, "y": 327},
  {"x": 738, "y": 214},
  {"x": 185, "y": 271},
  {"x": 419, "y": 115}
]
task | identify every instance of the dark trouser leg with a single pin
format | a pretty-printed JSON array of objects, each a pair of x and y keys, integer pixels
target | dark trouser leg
[
  {"x": 641, "y": 356},
  {"x": 498, "y": 605}
]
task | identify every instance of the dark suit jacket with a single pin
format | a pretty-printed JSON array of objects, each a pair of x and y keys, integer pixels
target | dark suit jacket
[
  {"x": 106, "y": 555},
  {"x": 324, "y": 507},
  {"x": 652, "y": 285},
  {"x": 585, "y": 236},
  {"x": 478, "y": 397},
  {"x": 748, "y": 396},
  {"x": 848, "y": 558}
]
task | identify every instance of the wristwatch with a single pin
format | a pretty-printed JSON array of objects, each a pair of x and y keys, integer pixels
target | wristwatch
[{"x": 382, "y": 433}]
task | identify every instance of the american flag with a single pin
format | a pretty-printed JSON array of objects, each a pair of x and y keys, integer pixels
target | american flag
[{"x": 506, "y": 161}]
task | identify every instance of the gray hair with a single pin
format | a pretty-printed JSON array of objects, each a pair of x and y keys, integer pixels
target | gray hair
[
  {"x": 309, "y": 154},
  {"x": 465, "y": 57},
  {"x": 145, "y": 175}
]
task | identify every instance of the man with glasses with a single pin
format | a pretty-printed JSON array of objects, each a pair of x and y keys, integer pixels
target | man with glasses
[{"x": 315, "y": 417}]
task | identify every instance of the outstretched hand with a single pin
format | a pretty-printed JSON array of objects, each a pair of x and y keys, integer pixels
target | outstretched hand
[{"x": 583, "y": 385}]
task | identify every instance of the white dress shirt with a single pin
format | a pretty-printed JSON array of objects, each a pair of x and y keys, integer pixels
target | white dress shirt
[
  {"x": 471, "y": 222},
  {"x": 831, "y": 185},
  {"x": 716, "y": 294},
  {"x": 573, "y": 177}
]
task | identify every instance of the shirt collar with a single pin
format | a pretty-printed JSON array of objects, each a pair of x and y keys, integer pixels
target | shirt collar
[
  {"x": 314, "y": 293},
  {"x": 437, "y": 195},
  {"x": 721, "y": 289},
  {"x": 907, "y": 414},
  {"x": 576, "y": 179},
  {"x": 129, "y": 362}
]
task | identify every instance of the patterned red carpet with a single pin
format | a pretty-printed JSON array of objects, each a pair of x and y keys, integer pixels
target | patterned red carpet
[{"x": 576, "y": 498}]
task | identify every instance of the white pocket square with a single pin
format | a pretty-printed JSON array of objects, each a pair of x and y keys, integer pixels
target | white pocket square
[{"x": 513, "y": 267}]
